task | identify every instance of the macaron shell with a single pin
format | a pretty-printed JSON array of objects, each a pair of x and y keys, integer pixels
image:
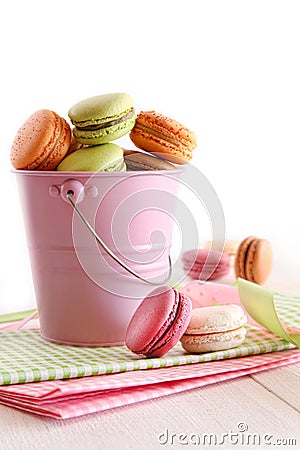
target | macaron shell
[
  {"x": 153, "y": 144},
  {"x": 166, "y": 126},
  {"x": 258, "y": 262},
  {"x": 230, "y": 246},
  {"x": 205, "y": 265},
  {"x": 143, "y": 161},
  {"x": 151, "y": 317},
  {"x": 107, "y": 157},
  {"x": 216, "y": 319},
  {"x": 41, "y": 142},
  {"x": 210, "y": 273},
  {"x": 213, "y": 342},
  {"x": 157, "y": 133},
  {"x": 205, "y": 272},
  {"x": 100, "y": 109}
]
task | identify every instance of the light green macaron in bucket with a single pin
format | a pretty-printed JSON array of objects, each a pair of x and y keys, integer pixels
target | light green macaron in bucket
[
  {"x": 99, "y": 158},
  {"x": 103, "y": 118}
]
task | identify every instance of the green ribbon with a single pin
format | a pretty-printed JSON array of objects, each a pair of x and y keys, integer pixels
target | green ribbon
[
  {"x": 15, "y": 316},
  {"x": 259, "y": 302}
]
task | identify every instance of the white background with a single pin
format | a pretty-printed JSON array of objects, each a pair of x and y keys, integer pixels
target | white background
[{"x": 229, "y": 70}]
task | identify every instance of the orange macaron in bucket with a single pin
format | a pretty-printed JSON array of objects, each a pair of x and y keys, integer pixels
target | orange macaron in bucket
[
  {"x": 163, "y": 136},
  {"x": 41, "y": 142}
]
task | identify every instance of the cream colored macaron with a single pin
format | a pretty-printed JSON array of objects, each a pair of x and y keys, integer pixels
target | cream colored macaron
[
  {"x": 214, "y": 328},
  {"x": 230, "y": 246}
]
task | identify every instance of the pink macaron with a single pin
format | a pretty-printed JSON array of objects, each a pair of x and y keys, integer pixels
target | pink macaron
[
  {"x": 205, "y": 265},
  {"x": 159, "y": 322}
]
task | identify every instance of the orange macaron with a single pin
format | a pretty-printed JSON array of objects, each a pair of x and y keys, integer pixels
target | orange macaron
[
  {"x": 163, "y": 136},
  {"x": 253, "y": 260},
  {"x": 42, "y": 142}
]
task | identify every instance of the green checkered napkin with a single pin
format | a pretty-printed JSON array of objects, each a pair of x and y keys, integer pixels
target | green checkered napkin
[
  {"x": 288, "y": 309},
  {"x": 26, "y": 357}
]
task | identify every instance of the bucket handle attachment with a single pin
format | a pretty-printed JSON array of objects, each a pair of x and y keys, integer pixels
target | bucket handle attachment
[{"x": 69, "y": 194}]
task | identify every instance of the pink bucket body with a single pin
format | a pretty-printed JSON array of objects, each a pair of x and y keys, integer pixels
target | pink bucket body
[{"x": 83, "y": 296}]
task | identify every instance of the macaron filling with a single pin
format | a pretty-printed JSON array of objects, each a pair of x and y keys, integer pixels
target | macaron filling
[
  {"x": 51, "y": 152},
  {"x": 217, "y": 326},
  {"x": 104, "y": 135},
  {"x": 163, "y": 136},
  {"x": 98, "y": 124},
  {"x": 213, "y": 342},
  {"x": 216, "y": 334},
  {"x": 249, "y": 260}
]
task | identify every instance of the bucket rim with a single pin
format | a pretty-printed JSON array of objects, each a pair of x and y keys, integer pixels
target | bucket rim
[{"x": 54, "y": 173}]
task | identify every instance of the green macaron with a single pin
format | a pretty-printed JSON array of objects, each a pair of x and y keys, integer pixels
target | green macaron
[
  {"x": 102, "y": 119},
  {"x": 99, "y": 158}
]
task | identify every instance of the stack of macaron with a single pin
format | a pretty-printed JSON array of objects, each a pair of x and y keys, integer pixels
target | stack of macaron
[{"x": 46, "y": 140}]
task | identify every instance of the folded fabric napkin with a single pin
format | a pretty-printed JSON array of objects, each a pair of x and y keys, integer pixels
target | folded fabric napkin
[
  {"x": 64, "y": 399},
  {"x": 26, "y": 357}
]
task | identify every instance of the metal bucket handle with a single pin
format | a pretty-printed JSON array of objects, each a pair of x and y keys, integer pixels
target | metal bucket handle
[{"x": 68, "y": 195}]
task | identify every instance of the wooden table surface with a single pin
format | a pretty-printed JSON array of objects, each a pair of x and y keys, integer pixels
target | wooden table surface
[
  {"x": 267, "y": 404},
  {"x": 262, "y": 408}
]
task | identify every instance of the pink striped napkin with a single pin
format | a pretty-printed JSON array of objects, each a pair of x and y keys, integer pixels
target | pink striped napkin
[
  {"x": 64, "y": 399},
  {"x": 21, "y": 323}
]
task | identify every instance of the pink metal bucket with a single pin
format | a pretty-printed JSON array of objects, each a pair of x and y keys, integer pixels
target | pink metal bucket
[{"x": 84, "y": 296}]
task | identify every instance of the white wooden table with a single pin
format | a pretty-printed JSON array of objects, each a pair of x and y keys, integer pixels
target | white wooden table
[{"x": 266, "y": 404}]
